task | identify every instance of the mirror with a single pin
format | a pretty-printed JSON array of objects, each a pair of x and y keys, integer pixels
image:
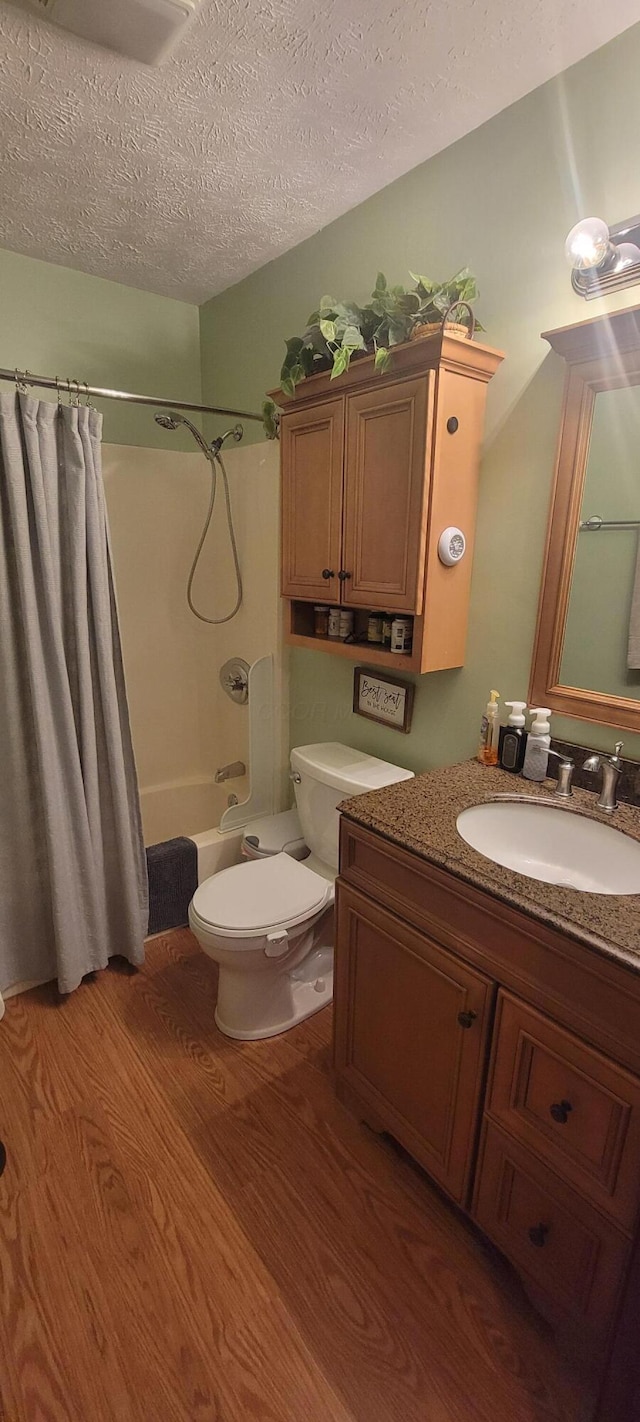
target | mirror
[{"x": 590, "y": 595}]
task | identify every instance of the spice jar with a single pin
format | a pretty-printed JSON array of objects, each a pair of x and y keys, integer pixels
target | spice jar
[
  {"x": 346, "y": 622},
  {"x": 321, "y": 621},
  {"x": 401, "y": 634},
  {"x": 374, "y": 628},
  {"x": 334, "y": 622}
]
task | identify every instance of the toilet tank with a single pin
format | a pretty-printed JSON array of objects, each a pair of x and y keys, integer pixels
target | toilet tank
[{"x": 330, "y": 772}]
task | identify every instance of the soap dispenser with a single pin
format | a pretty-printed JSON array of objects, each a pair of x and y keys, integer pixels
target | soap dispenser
[
  {"x": 513, "y": 738},
  {"x": 536, "y": 757},
  {"x": 489, "y": 731}
]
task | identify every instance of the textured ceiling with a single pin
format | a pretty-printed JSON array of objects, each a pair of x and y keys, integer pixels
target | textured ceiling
[{"x": 272, "y": 118}]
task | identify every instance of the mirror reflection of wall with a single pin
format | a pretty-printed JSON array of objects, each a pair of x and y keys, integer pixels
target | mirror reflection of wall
[{"x": 605, "y": 589}]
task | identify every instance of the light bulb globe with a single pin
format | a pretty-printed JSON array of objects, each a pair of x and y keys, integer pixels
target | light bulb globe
[
  {"x": 627, "y": 255},
  {"x": 587, "y": 244}
]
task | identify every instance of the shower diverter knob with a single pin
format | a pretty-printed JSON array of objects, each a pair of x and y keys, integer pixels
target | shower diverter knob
[{"x": 234, "y": 679}]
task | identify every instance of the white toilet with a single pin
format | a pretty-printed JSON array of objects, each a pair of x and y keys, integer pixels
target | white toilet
[{"x": 268, "y": 923}]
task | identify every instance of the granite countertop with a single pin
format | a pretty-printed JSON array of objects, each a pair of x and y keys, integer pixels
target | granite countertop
[{"x": 420, "y": 815}]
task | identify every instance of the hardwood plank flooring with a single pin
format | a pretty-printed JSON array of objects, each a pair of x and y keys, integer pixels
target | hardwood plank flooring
[{"x": 196, "y": 1230}]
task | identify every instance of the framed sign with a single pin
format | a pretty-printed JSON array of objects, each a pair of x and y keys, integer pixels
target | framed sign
[{"x": 383, "y": 698}]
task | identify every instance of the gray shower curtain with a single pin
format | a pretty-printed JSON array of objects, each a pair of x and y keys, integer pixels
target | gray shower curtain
[{"x": 73, "y": 884}]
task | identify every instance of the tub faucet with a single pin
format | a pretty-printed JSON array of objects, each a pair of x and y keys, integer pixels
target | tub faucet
[
  {"x": 230, "y": 772},
  {"x": 611, "y": 767}
]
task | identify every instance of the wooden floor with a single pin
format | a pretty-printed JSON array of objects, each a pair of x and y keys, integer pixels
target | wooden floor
[{"x": 194, "y": 1230}]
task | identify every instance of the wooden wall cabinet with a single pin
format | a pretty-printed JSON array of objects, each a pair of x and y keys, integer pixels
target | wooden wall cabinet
[
  {"x": 506, "y": 1058},
  {"x": 373, "y": 469}
]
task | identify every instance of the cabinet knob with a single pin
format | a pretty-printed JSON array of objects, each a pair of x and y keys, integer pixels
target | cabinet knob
[
  {"x": 560, "y": 1111},
  {"x": 467, "y": 1019},
  {"x": 538, "y": 1235},
  {"x": 342, "y": 576},
  {"x": 328, "y": 573}
]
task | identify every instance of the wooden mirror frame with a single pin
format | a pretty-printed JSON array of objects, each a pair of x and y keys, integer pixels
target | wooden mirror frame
[{"x": 601, "y": 354}]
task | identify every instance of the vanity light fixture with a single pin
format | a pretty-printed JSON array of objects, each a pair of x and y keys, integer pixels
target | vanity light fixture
[{"x": 601, "y": 258}]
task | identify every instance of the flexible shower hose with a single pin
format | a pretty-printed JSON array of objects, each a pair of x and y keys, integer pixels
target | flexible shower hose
[{"x": 216, "y": 621}]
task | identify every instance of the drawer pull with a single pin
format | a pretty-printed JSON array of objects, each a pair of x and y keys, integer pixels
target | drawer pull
[
  {"x": 467, "y": 1019},
  {"x": 560, "y": 1111},
  {"x": 538, "y": 1235}
]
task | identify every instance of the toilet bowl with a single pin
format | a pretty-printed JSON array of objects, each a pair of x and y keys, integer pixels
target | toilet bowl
[
  {"x": 268, "y": 922},
  {"x": 274, "y": 834}
]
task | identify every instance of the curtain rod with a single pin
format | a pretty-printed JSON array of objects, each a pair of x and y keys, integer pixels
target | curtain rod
[
  {"x": 80, "y": 387},
  {"x": 594, "y": 524}
]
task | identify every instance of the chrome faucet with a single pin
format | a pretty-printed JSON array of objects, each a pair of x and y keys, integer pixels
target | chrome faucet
[
  {"x": 611, "y": 767},
  {"x": 230, "y": 772},
  {"x": 566, "y": 768}
]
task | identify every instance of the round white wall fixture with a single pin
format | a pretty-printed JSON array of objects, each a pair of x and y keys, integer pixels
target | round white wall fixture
[{"x": 451, "y": 546}]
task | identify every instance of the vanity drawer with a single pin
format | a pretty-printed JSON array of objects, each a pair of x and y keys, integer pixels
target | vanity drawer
[
  {"x": 574, "y": 1258},
  {"x": 569, "y": 1104}
]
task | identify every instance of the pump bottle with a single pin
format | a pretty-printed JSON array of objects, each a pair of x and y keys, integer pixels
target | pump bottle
[
  {"x": 513, "y": 738},
  {"x": 536, "y": 756},
  {"x": 489, "y": 729}
]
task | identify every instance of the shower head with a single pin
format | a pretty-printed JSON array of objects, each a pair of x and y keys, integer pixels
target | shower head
[{"x": 171, "y": 421}]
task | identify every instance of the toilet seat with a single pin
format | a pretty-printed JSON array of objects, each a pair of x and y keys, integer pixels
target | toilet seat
[{"x": 263, "y": 896}]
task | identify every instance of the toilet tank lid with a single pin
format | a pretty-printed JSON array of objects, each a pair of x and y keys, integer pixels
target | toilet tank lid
[{"x": 346, "y": 769}]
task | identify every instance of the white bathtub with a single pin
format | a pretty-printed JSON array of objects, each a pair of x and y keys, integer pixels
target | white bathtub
[
  {"x": 193, "y": 808},
  {"x": 181, "y": 807}
]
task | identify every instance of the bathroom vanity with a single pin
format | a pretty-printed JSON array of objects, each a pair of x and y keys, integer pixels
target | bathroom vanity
[{"x": 491, "y": 1024}]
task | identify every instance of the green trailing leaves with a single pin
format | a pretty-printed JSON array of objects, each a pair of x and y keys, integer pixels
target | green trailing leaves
[
  {"x": 382, "y": 360},
  {"x": 339, "y": 330},
  {"x": 270, "y": 419}
]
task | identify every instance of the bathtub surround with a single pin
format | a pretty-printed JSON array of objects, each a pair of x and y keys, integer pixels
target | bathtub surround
[
  {"x": 73, "y": 883},
  {"x": 184, "y": 726},
  {"x": 502, "y": 199}
]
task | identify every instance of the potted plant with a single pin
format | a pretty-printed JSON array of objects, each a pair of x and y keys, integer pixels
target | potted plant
[{"x": 339, "y": 331}]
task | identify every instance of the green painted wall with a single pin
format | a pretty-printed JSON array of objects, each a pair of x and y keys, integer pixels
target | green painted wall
[
  {"x": 501, "y": 200},
  {"x": 56, "y": 321}
]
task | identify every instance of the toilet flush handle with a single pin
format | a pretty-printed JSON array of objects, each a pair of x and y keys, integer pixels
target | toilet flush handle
[
  {"x": 276, "y": 944},
  {"x": 295, "y": 776}
]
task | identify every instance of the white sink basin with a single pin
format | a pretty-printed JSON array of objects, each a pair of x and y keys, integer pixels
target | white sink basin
[{"x": 545, "y": 842}]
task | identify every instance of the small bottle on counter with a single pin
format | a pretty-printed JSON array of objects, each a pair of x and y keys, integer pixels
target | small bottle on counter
[
  {"x": 402, "y": 634},
  {"x": 513, "y": 738},
  {"x": 536, "y": 757},
  {"x": 490, "y": 732}
]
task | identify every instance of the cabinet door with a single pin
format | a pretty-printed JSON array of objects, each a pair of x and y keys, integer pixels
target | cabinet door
[
  {"x": 410, "y": 1032},
  {"x": 312, "y": 447},
  {"x": 570, "y": 1105},
  {"x": 387, "y": 465},
  {"x": 570, "y": 1252}
]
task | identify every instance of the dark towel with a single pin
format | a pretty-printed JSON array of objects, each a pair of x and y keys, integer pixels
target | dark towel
[{"x": 173, "y": 879}]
